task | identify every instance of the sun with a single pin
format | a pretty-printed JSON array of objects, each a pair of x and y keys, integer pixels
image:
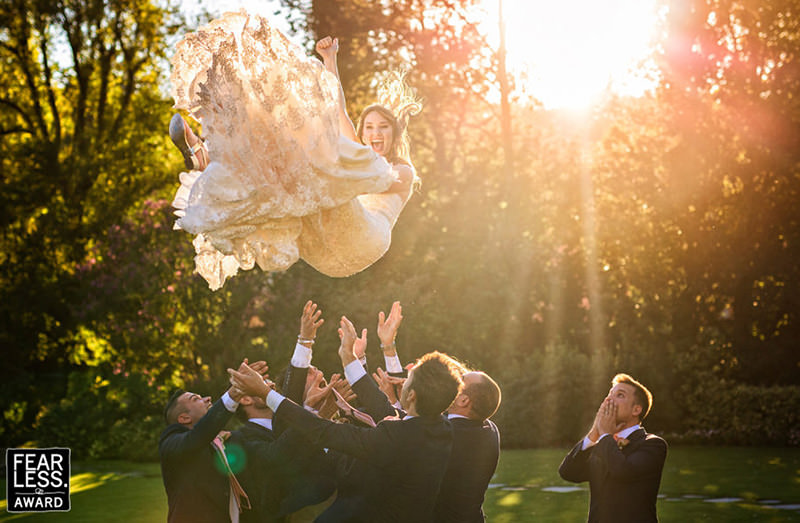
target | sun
[{"x": 566, "y": 53}]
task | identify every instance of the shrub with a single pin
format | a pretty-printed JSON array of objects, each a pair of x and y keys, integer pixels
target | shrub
[
  {"x": 116, "y": 417},
  {"x": 726, "y": 412}
]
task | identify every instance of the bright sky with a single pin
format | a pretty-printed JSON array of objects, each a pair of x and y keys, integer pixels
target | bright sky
[
  {"x": 564, "y": 52},
  {"x": 571, "y": 50}
]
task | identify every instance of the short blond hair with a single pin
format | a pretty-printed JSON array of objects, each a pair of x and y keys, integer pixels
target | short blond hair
[{"x": 641, "y": 396}]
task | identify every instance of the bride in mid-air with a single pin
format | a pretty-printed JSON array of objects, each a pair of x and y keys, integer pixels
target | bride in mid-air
[{"x": 283, "y": 173}]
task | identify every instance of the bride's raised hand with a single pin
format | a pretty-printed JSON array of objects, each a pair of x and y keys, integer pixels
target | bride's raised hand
[{"x": 327, "y": 48}]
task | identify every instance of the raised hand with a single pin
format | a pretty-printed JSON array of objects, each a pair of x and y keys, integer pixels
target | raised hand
[
  {"x": 259, "y": 366},
  {"x": 388, "y": 384},
  {"x": 310, "y": 321},
  {"x": 329, "y": 408},
  {"x": 606, "y": 418},
  {"x": 318, "y": 391},
  {"x": 360, "y": 345},
  {"x": 342, "y": 386},
  {"x": 347, "y": 335},
  {"x": 388, "y": 326},
  {"x": 249, "y": 381},
  {"x": 327, "y": 48}
]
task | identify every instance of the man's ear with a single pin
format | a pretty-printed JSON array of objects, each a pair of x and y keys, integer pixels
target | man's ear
[
  {"x": 184, "y": 418},
  {"x": 246, "y": 400},
  {"x": 412, "y": 396},
  {"x": 637, "y": 411},
  {"x": 462, "y": 401}
]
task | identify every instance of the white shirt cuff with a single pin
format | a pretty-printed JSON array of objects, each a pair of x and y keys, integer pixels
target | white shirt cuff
[
  {"x": 274, "y": 400},
  {"x": 393, "y": 365},
  {"x": 301, "y": 357},
  {"x": 229, "y": 403},
  {"x": 354, "y": 371}
]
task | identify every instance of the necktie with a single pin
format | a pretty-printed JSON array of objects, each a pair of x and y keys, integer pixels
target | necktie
[{"x": 238, "y": 497}]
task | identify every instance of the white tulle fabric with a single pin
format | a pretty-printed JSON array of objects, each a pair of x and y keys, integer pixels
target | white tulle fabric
[{"x": 282, "y": 184}]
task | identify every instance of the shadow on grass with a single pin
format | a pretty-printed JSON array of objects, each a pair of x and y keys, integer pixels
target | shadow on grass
[
  {"x": 700, "y": 484},
  {"x": 107, "y": 491}
]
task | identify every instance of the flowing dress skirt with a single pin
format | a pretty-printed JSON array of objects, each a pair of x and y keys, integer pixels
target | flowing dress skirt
[{"x": 282, "y": 184}]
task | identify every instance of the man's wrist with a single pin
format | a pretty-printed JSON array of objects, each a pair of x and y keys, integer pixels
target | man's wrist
[
  {"x": 389, "y": 349},
  {"x": 235, "y": 394},
  {"x": 347, "y": 355},
  {"x": 306, "y": 340}
]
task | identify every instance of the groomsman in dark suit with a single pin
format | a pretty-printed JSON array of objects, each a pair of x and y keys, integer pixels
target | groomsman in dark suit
[
  {"x": 410, "y": 456},
  {"x": 198, "y": 491},
  {"x": 476, "y": 440},
  {"x": 476, "y": 450},
  {"x": 280, "y": 471},
  {"x": 621, "y": 462}
]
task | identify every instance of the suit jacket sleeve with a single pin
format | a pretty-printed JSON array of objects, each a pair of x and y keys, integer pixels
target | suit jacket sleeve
[
  {"x": 575, "y": 466},
  {"x": 280, "y": 451},
  {"x": 202, "y": 434},
  {"x": 294, "y": 384},
  {"x": 372, "y": 399},
  {"x": 364, "y": 443}
]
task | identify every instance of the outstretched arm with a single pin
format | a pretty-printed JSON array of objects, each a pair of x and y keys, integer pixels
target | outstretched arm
[
  {"x": 387, "y": 332},
  {"x": 328, "y": 48},
  {"x": 294, "y": 384}
]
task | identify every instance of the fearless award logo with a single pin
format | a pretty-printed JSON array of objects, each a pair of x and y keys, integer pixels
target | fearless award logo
[{"x": 37, "y": 480}]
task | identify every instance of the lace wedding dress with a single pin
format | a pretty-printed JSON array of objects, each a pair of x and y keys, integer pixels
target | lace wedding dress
[{"x": 282, "y": 183}]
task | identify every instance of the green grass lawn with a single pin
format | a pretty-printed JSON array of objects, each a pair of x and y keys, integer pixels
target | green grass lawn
[{"x": 693, "y": 477}]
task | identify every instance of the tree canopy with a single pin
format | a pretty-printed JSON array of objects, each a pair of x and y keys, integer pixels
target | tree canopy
[{"x": 654, "y": 235}]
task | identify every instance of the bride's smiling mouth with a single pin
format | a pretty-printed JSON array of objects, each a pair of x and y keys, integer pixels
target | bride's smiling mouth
[{"x": 377, "y": 145}]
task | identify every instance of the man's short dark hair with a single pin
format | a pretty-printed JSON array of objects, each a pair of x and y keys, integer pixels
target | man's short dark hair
[
  {"x": 436, "y": 380},
  {"x": 641, "y": 396},
  {"x": 173, "y": 410},
  {"x": 484, "y": 396}
]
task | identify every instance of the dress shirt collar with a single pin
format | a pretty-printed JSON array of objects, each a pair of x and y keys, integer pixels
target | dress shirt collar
[
  {"x": 264, "y": 422},
  {"x": 624, "y": 433}
]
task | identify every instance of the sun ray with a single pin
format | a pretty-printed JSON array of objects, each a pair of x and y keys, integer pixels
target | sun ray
[{"x": 569, "y": 52}]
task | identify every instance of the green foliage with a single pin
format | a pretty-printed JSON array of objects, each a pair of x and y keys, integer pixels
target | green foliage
[
  {"x": 723, "y": 412},
  {"x": 655, "y": 236},
  {"x": 112, "y": 417},
  {"x": 549, "y": 398},
  {"x": 80, "y": 144}
]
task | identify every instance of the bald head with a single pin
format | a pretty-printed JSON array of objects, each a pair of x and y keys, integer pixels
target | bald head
[{"x": 483, "y": 393}]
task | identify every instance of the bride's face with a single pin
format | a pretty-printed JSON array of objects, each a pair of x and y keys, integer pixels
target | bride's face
[{"x": 377, "y": 133}]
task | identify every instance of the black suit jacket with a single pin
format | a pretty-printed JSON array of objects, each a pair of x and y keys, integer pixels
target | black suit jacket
[
  {"x": 372, "y": 400},
  {"x": 197, "y": 490},
  {"x": 407, "y": 460},
  {"x": 473, "y": 460},
  {"x": 623, "y": 483},
  {"x": 281, "y": 474},
  {"x": 294, "y": 383},
  {"x": 476, "y": 450}
]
